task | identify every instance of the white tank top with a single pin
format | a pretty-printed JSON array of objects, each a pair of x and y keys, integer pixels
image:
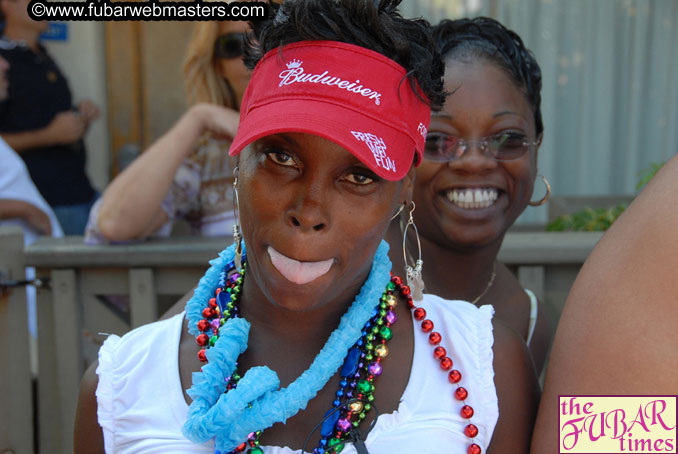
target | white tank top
[{"x": 141, "y": 406}]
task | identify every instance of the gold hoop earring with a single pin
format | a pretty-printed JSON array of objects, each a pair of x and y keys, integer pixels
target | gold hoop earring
[
  {"x": 546, "y": 197},
  {"x": 237, "y": 235},
  {"x": 413, "y": 273}
]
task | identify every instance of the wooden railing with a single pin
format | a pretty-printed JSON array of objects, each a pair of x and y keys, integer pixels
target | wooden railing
[{"x": 111, "y": 289}]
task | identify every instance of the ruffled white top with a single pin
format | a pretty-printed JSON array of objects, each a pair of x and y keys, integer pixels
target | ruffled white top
[{"x": 141, "y": 406}]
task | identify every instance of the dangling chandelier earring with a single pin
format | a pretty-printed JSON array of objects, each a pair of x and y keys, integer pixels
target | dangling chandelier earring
[
  {"x": 237, "y": 235},
  {"x": 414, "y": 279},
  {"x": 546, "y": 197}
]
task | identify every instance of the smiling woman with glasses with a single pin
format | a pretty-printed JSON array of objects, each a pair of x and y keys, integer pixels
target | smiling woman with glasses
[{"x": 478, "y": 174}]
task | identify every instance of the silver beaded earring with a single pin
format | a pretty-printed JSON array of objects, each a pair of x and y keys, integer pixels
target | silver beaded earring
[
  {"x": 237, "y": 235},
  {"x": 414, "y": 278}
]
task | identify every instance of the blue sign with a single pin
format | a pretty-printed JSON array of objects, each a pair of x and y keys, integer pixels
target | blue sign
[{"x": 57, "y": 31}]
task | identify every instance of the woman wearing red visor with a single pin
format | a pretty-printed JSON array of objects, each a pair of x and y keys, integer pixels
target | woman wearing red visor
[{"x": 298, "y": 338}]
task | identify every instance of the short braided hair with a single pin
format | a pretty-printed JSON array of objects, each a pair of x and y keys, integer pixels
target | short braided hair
[{"x": 486, "y": 38}]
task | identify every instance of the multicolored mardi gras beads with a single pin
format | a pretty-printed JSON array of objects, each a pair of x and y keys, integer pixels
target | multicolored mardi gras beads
[{"x": 363, "y": 363}]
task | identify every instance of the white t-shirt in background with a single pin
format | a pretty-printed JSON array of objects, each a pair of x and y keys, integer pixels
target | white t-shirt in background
[{"x": 16, "y": 184}]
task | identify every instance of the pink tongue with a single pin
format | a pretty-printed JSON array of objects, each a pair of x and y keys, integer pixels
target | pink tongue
[{"x": 298, "y": 272}]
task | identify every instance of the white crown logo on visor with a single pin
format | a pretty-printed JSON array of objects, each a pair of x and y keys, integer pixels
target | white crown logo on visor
[
  {"x": 378, "y": 148},
  {"x": 294, "y": 64}
]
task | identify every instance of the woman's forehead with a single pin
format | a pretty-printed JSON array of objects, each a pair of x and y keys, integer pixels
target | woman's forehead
[{"x": 482, "y": 85}]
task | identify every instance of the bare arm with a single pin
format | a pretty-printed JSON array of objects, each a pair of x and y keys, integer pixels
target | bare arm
[
  {"x": 66, "y": 127},
  {"x": 617, "y": 334},
  {"x": 131, "y": 205},
  {"x": 517, "y": 391},
  {"x": 32, "y": 215},
  {"x": 88, "y": 437},
  {"x": 88, "y": 110}
]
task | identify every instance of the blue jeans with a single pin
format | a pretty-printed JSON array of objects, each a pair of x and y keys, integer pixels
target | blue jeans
[{"x": 73, "y": 218}]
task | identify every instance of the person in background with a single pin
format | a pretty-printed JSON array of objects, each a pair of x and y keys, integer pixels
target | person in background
[
  {"x": 39, "y": 121},
  {"x": 617, "y": 334},
  {"x": 187, "y": 173},
  {"x": 21, "y": 203},
  {"x": 478, "y": 173}
]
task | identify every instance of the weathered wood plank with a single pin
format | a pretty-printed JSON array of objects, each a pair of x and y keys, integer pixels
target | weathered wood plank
[
  {"x": 67, "y": 328},
  {"x": 70, "y": 251},
  {"x": 49, "y": 408},
  {"x": 542, "y": 248},
  {"x": 532, "y": 277},
  {"x": 16, "y": 411},
  {"x": 523, "y": 248},
  {"x": 143, "y": 301}
]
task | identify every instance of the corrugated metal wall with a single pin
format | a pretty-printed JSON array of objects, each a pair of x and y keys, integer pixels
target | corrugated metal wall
[{"x": 610, "y": 85}]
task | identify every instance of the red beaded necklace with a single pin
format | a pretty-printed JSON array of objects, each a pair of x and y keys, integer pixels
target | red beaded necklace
[
  {"x": 446, "y": 363},
  {"x": 213, "y": 321}
]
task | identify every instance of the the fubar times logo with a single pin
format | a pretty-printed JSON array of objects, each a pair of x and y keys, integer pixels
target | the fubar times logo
[{"x": 617, "y": 424}]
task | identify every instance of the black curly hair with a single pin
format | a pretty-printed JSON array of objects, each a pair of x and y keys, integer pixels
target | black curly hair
[
  {"x": 373, "y": 24},
  {"x": 485, "y": 38}
]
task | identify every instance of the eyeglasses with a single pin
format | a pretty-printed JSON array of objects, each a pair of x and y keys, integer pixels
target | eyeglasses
[
  {"x": 501, "y": 147},
  {"x": 229, "y": 45}
]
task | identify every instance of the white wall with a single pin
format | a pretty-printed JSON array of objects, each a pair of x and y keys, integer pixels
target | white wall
[{"x": 82, "y": 59}]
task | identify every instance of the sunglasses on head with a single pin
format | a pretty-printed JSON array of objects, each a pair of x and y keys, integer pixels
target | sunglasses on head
[{"x": 229, "y": 45}]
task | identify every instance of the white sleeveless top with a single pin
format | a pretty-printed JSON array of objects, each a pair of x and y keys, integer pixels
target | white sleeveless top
[{"x": 141, "y": 406}]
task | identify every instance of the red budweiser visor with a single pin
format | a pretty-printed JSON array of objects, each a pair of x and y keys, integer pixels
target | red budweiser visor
[{"x": 355, "y": 97}]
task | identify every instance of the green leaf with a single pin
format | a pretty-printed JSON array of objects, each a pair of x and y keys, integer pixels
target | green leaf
[
  {"x": 648, "y": 173},
  {"x": 586, "y": 220}
]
